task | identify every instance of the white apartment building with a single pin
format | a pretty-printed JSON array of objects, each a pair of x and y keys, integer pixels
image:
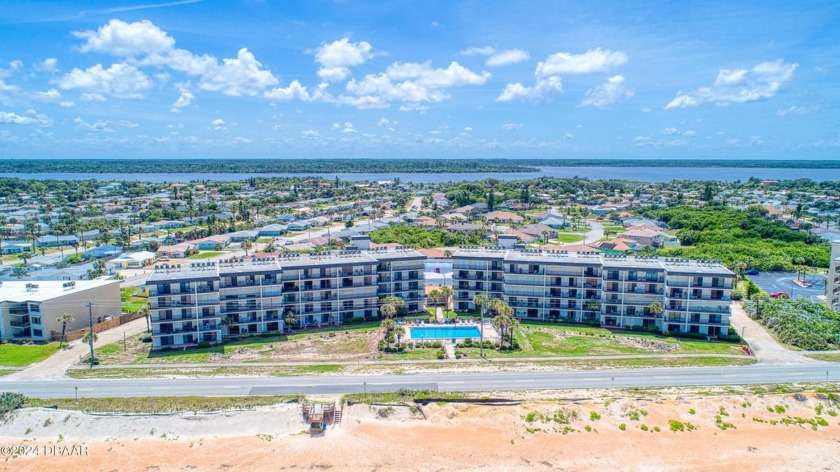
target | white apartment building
[
  {"x": 833, "y": 286},
  {"x": 616, "y": 291},
  {"x": 206, "y": 301},
  {"x": 30, "y": 310}
]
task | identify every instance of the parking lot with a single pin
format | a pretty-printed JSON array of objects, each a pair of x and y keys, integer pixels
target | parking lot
[{"x": 773, "y": 282}]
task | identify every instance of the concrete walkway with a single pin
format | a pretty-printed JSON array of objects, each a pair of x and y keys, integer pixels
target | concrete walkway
[
  {"x": 595, "y": 233},
  {"x": 766, "y": 349},
  {"x": 54, "y": 367},
  {"x": 439, "y": 315}
]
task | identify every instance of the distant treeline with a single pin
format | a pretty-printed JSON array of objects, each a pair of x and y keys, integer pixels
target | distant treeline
[{"x": 356, "y": 166}]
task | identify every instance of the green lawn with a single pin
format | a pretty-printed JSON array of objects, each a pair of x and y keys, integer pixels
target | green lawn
[
  {"x": 130, "y": 301},
  {"x": 15, "y": 355},
  {"x": 205, "y": 255},
  {"x": 830, "y": 357},
  {"x": 569, "y": 238},
  {"x": 546, "y": 340},
  {"x": 615, "y": 229}
]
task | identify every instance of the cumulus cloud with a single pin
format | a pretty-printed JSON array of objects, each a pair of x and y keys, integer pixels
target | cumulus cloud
[
  {"x": 477, "y": 51},
  {"x": 336, "y": 58},
  {"x": 412, "y": 83},
  {"x": 511, "y": 126},
  {"x": 93, "y": 97},
  {"x": 119, "y": 80},
  {"x": 218, "y": 125},
  {"x": 293, "y": 91},
  {"x": 608, "y": 93},
  {"x": 671, "y": 131},
  {"x": 761, "y": 82},
  {"x": 506, "y": 58},
  {"x": 544, "y": 89},
  {"x": 142, "y": 43},
  {"x": 548, "y": 78},
  {"x": 50, "y": 96},
  {"x": 184, "y": 100},
  {"x": 30, "y": 117},
  {"x": 594, "y": 60}
]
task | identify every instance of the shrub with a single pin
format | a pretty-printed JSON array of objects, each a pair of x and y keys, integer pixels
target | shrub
[
  {"x": 692, "y": 411},
  {"x": 10, "y": 401},
  {"x": 146, "y": 338},
  {"x": 468, "y": 342},
  {"x": 622, "y": 426},
  {"x": 441, "y": 355},
  {"x": 531, "y": 417},
  {"x": 594, "y": 416},
  {"x": 203, "y": 344}
]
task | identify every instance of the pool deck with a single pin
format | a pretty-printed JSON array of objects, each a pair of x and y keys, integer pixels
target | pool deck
[{"x": 488, "y": 330}]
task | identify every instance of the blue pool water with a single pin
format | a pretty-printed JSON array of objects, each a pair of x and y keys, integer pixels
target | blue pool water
[{"x": 445, "y": 332}]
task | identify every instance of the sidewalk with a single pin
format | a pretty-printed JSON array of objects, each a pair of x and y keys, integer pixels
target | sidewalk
[
  {"x": 214, "y": 365},
  {"x": 54, "y": 367}
]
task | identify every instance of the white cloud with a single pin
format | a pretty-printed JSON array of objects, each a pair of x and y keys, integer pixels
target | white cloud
[
  {"x": 348, "y": 128},
  {"x": 119, "y": 80},
  {"x": 336, "y": 58},
  {"x": 93, "y": 97},
  {"x": 294, "y": 91},
  {"x": 126, "y": 39},
  {"x": 50, "y": 96},
  {"x": 608, "y": 93},
  {"x": 761, "y": 82},
  {"x": 511, "y": 126},
  {"x": 66, "y": 103},
  {"x": 241, "y": 76},
  {"x": 594, "y": 60},
  {"x": 505, "y": 58},
  {"x": 184, "y": 100},
  {"x": 794, "y": 110},
  {"x": 413, "y": 83},
  {"x": 98, "y": 126},
  {"x": 144, "y": 44},
  {"x": 311, "y": 133},
  {"x": 218, "y": 125},
  {"x": 478, "y": 51},
  {"x": 568, "y": 136},
  {"x": 48, "y": 65},
  {"x": 384, "y": 122},
  {"x": 31, "y": 117},
  {"x": 544, "y": 89},
  {"x": 674, "y": 131}
]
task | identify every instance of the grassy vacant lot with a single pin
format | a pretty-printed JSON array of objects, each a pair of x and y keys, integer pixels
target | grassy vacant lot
[
  {"x": 16, "y": 355},
  {"x": 547, "y": 340},
  {"x": 205, "y": 255},
  {"x": 830, "y": 357},
  {"x": 346, "y": 342},
  {"x": 131, "y": 302},
  {"x": 159, "y": 404},
  {"x": 569, "y": 238}
]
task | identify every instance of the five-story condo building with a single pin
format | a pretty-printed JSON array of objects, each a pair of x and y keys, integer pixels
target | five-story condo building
[
  {"x": 670, "y": 294},
  {"x": 208, "y": 301}
]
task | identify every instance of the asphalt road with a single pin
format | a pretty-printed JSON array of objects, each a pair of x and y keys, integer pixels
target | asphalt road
[
  {"x": 774, "y": 282},
  {"x": 505, "y": 381}
]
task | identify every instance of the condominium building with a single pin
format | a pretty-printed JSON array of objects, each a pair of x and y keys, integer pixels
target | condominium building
[
  {"x": 615, "y": 291},
  {"x": 207, "y": 301},
  {"x": 31, "y": 310},
  {"x": 833, "y": 286}
]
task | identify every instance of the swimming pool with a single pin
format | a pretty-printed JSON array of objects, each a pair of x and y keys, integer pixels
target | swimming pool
[{"x": 445, "y": 332}]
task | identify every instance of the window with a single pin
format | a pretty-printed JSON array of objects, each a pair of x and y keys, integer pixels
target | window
[{"x": 36, "y": 320}]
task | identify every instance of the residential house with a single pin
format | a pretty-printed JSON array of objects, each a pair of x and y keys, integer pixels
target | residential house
[
  {"x": 210, "y": 242},
  {"x": 176, "y": 251},
  {"x": 132, "y": 260},
  {"x": 503, "y": 217}
]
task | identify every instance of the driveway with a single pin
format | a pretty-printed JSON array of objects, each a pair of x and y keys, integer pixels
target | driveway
[
  {"x": 767, "y": 349},
  {"x": 55, "y": 366},
  {"x": 595, "y": 233}
]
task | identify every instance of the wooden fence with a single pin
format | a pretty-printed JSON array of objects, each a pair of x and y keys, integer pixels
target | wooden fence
[{"x": 97, "y": 328}]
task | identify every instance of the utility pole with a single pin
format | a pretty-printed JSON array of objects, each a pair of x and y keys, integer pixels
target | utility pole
[{"x": 90, "y": 319}]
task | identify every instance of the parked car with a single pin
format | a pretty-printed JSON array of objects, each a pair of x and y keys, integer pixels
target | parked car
[
  {"x": 780, "y": 295},
  {"x": 751, "y": 272}
]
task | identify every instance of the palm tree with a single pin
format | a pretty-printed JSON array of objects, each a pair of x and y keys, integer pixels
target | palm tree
[
  {"x": 64, "y": 319},
  {"x": 656, "y": 309},
  {"x": 434, "y": 295},
  {"x": 147, "y": 313},
  {"x": 227, "y": 322},
  {"x": 290, "y": 319},
  {"x": 480, "y": 301},
  {"x": 446, "y": 293},
  {"x": 25, "y": 256},
  {"x": 247, "y": 245},
  {"x": 387, "y": 310}
]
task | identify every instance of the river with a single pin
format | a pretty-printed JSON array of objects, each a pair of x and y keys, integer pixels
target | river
[{"x": 642, "y": 174}]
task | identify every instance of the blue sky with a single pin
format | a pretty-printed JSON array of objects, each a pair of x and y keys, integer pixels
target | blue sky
[{"x": 551, "y": 79}]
